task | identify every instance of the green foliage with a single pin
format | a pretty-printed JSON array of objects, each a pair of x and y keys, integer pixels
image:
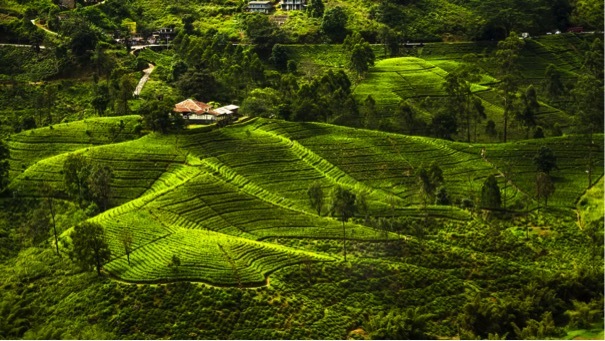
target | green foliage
[
  {"x": 545, "y": 160},
  {"x": 260, "y": 31},
  {"x": 158, "y": 115},
  {"x": 90, "y": 249},
  {"x": 279, "y": 57},
  {"x": 315, "y": 8},
  {"x": 86, "y": 181},
  {"x": 76, "y": 172},
  {"x": 316, "y": 196},
  {"x": 361, "y": 55},
  {"x": 409, "y": 324},
  {"x": 4, "y": 166},
  {"x": 506, "y": 61},
  {"x": 262, "y": 102},
  {"x": 126, "y": 238},
  {"x": 333, "y": 24},
  {"x": 544, "y": 187},
  {"x": 490, "y": 193}
]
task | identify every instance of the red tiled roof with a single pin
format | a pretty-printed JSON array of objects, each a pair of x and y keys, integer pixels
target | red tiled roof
[{"x": 193, "y": 106}]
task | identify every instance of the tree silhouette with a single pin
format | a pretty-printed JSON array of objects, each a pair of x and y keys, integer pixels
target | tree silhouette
[
  {"x": 505, "y": 60},
  {"x": 490, "y": 193},
  {"x": 343, "y": 206},
  {"x": 545, "y": 160},
  {"x": 316, "y": 196}
]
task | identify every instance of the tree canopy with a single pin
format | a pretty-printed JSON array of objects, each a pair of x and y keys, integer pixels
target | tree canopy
[{"x": 90, "y": 249}]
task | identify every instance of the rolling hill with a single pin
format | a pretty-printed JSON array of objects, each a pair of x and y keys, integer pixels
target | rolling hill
[{"x": 220, "y": 198}]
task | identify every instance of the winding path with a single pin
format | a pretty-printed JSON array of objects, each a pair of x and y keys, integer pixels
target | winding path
[
  {"x": 144, "y": 79},
  {"x": 33, "y": 21}
]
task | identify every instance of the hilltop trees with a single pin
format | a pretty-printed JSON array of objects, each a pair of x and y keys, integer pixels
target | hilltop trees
[
  {"x": 90, "y": 249},
  {"x": 262, "y": 32},
  {"x": 343, "y": 206},
  {"x": 87, "y": 181},
  {"x": 333, "y": 24},
  {"x": 316, "y": 8}
]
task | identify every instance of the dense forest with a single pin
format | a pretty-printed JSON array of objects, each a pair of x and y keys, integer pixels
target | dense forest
[{"x": 384, "y": 169}]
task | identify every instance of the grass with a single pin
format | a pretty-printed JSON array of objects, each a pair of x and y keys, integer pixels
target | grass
[
  {"x": 590, "y": 204},
  {"x": 596, "y": 333}
]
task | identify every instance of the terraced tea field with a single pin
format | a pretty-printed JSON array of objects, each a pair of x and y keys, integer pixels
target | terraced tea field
[
  {"x": 219, "y": 199},
  {"x": 416, "y": 78}
]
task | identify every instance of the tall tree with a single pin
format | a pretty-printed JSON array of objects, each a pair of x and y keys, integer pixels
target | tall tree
[
  {"x": 262, "y": 32},
  {"x": 90, "y": 248},
  {"x": 490, "y": 193},
  {"x": 527, "y": 115},
  {"x": 279, "y": 57},
  {"x": 553, "y": 85},
  {"x": 360, "y": 54},
  {"x": 361, "y": 202},
  {"x": 343, "y": 206},
  {"x": 316, "y": 196},
  {"x": 50, "y": 97},
  {"x": 506, "y": 61},
  {"x": 101, "y": 99},
  {"x": 126, "y": 238},
  {"x": 370, "y": 114},
  {"x": 49, "y": 194},
  {"x": 125, "y": 88},
  {"x": 99, "y": 185},
  {"x": 76, "y": 170},
  {"x": 456, "y": 89},
  {"x": 544, "y": 187},
  {"x": 545, "y": 160}
]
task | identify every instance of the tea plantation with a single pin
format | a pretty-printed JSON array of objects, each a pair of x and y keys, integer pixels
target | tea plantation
[
  {"x": 231, "y": 204},
  {"x": 341, "y": 203}
]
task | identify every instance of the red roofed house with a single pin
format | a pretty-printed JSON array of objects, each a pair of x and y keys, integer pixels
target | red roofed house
[{"x": 197, "y": 112}]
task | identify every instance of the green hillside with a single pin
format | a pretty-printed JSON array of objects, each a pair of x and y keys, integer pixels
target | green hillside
[
  {"x": 248, "y": 182},
  {"x": 382, "y": 169}
]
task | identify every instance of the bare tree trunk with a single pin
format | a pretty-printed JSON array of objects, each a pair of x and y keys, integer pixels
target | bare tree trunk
[
  {"x": 52, "y": 214},
  {"x": 344, "y": 239}
]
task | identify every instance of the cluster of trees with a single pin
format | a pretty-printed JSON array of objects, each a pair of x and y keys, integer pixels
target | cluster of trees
[
  {"x": 87, "y": 182},
  {"x": 544, "y": 160},
  {"x": 345, "y": 204}
]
